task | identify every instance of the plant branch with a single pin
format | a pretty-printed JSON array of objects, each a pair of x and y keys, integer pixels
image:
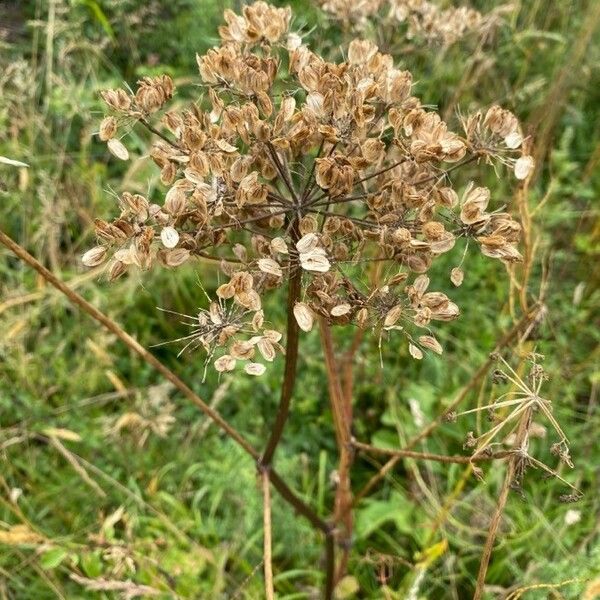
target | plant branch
[
  {"x": 281, "y": 170},
  {"x": 291, "y": 357},
  {"x": 310, "y": 181},
  {"x": 161, "y": 135},
  {"x": 511, "y": 471},
  {"x": 443, "y": 458}
]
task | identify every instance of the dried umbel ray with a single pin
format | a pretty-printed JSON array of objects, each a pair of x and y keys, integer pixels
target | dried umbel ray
[{"x": 307, "y": 171}]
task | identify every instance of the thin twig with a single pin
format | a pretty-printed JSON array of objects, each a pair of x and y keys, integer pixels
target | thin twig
[
  {"x": 161, "y": 135},
  {"x": 282, "y": 171},
  {"x": 443, "y": 458},
  {"x": 54, "y": 441}
]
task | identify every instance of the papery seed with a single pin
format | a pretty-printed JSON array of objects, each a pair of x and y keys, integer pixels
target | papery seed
[
  {"x": 169, "y": 237},
  {"x": 255, "y": 369},
  {"x": 304, "y": 316}
]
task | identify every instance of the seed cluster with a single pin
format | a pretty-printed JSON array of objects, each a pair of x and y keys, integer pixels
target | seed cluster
[
  {"x": 296, "y": 165},
  {"x": 423, "y": 19}
]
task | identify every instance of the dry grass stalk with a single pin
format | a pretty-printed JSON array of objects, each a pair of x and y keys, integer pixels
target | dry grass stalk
[
  {"x": 126, "y": 589},
  {"x": 511, "y": 471},
  {"x": 267, "y": 536}
]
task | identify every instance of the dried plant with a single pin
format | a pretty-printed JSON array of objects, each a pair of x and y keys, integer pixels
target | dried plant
[
  {"x": 299, "y": 172},
  {"x": 508, "y": 410},
  {"x": 423, "y": 20},
  {"x": 305, "y": 170}
]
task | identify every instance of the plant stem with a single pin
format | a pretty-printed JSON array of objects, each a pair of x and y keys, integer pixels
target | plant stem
[
  {"x": 283, "y": 173},
  {"x": 267, "y": 539},
  {"x": 341, "y": 407},
  {"x": 464, "y": 460},
  {"x": 291, "y": 358},
  {"x": 520, "y": 443}
]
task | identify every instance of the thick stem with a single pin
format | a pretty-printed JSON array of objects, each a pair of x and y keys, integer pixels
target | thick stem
[
  {"x": 341, "y": 407},
  {"x": 301, "y": 508},
  {"x": 291, "y": 362}
]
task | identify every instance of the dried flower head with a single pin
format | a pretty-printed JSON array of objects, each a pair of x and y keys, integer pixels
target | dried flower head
[
  {"x": 521, "y": 402},
  {"x": 423, "y": 19},
  {"x": 300, "y": 169}
]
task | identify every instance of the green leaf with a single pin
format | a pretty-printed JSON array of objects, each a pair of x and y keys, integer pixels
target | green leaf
[
  {"x": 396, "y": 510},
  {"x": 53, "y": 557},
  {"x": 91, "y": 563}
]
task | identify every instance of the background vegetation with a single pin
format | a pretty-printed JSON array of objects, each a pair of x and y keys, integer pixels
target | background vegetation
[{"x": 106, "y": 473}]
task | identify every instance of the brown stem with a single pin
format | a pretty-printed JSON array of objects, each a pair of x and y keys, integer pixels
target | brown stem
[
  {"x": 284, "y": 173},
  {"x": 347, "y": 367},
  {"x": 310, "y": 182},
  {"x": 291, "y": 359},
  {"x": 341, "y": 407},
  {"x": 511, "y": 471},
  {"x": 161, "y": 135},
  {"x": 267, "y": 540},
  {"x": 464, "y": 460},
  {"x": 284, "y": 490}
]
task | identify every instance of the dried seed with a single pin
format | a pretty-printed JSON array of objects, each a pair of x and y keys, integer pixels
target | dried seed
[
  {"x": 340, "y": 310},
  {"x": 430, "y": 342},
  {"x": 304, "y": 316},
  {"x": 523, "y": 167},
  {"x": 307, "y": 243},
  {"x": 169, "y": 237},
  {"x": 108, "y": 128},
  {"x": 265, "y": 347},
  {"x": 255, "y": 369},
  {"x": 94, "y": 256},
  {"x": 392, "y": 316},
  {"x": 225, "y": 363},
  {"x": 176, "y": 257},
  {"x": 117, "y": 149},
  {"x": 268, "y": 265},
  {"x": 456, "y": 276},
  {"x": 278, "y": 245},
  {"x": 415, "y": 351}
]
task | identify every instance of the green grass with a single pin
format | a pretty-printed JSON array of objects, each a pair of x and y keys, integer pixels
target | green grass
[{"x": 189, "y": 511}]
